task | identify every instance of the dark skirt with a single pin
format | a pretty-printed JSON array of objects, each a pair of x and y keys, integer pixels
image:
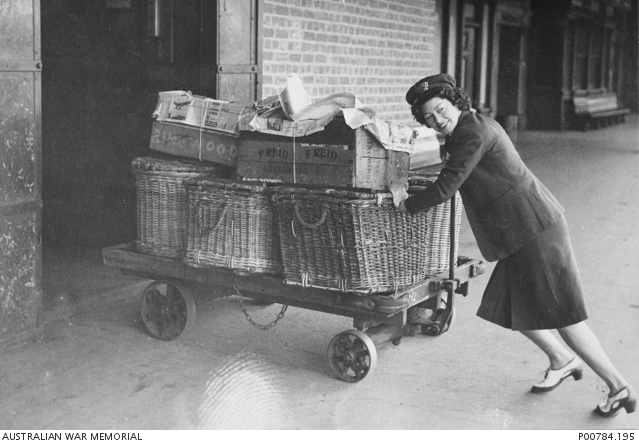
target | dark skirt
[{"x": 537, "y": 287}]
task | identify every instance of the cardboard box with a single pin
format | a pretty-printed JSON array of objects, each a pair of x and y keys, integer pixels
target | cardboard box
[
  {"x": 195, "y": 143},
  {"x": 182, "y": 107},
  {"x": 357, "y": 160}
]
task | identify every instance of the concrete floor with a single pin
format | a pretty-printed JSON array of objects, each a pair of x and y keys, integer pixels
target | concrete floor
[{"x": 96, "y": 367}]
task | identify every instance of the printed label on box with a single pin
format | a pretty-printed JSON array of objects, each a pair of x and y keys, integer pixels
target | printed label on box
[{"x": 222, "y": 116}]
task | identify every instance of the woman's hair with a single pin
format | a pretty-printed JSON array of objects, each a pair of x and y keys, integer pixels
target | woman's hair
[{"x": 456, "y": 96}]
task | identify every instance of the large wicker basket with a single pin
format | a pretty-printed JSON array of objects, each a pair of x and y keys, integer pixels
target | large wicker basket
[
  {"x": 357, "y": 242},
  {"x": 232, "y": 225},
  {"x": 162, "y": 206}
]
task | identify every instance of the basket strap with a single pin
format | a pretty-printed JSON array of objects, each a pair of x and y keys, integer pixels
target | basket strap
[
  {"x": 201, "y": 207},
  {"x": 312, "y": 225}
]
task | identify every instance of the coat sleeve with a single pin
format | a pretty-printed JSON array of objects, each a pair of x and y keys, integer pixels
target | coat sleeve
[{"x": 466, "y": 150}]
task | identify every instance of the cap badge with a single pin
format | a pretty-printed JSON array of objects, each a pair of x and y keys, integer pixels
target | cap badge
[{"x": 422, "y": 87}]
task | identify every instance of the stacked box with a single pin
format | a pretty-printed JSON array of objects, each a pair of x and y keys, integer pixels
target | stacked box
[
  {"x": 195, "y": 143},
  {"x": 337, "y": 156},
  {"x": 232, "y": 225},
  {"x": 357, "y": 242},
  {"x": 197, "y": 127},
  {"x": 198, "y": 111}
]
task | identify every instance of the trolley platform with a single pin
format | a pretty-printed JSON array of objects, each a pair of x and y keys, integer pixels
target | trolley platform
[{"x": 168, "y": 305}]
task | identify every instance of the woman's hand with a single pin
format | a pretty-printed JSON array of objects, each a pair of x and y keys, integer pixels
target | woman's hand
[{"x": 399, "y": 195}]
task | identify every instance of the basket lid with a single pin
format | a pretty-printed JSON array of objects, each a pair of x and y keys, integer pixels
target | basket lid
[
  {"x": 171, "y": 165},
  {"x": 338, "y": 192},
  {"x": 210, "y": 181}
]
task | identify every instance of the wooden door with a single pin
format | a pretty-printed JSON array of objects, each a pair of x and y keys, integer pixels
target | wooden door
[
  {"x": 509, "y": 70},
  {"x": 20, "y": 170},
  {"x": 470, "y": 45},
  {"x": 468, "y": 70}
]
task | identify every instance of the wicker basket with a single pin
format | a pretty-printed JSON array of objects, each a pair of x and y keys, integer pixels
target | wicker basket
[
  {"x": 232, "y": 225},
  {"x": 162, "y": 205},
  {"x": 357, "y": 242},
  {"x": 438, "y": 234}
]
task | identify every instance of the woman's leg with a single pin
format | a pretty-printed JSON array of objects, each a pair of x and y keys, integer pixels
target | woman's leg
[
  {"x": 583, "y": 341},
  {"x": 549, "y": 344}
]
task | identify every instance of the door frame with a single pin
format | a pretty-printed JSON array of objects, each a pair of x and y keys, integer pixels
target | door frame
[
  {"x": 31, "y": 205},
  {"x": 518, "y": 17}
]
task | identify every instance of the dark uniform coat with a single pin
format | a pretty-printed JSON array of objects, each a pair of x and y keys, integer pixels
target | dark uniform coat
[
  {"x": 506, "y": 205},
  {"x": 517, "y": 221}
]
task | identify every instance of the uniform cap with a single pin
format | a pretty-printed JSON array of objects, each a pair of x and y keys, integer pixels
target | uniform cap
[{"x": 429, "y": 87}]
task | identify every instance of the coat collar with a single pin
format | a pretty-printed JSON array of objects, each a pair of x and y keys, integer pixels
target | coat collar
[{"x": 463, "y": 117}]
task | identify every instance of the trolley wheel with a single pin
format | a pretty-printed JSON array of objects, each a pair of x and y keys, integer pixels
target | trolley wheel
[
  {"x": 167, "y": 309},
  {"x": 436, "y": 330},
  {"x": 352, "y": 355}
]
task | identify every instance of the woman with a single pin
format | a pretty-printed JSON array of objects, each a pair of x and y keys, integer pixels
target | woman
[{"x": 535, "y": 286}]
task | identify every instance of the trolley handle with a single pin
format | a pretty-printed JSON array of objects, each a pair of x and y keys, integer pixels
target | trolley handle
[{"x": 453, "y": 237}]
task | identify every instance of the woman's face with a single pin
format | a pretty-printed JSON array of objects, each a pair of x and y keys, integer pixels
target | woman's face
[{"x": 440, "y": 114}]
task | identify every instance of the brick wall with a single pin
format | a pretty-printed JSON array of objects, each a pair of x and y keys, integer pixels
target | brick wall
[{"x": 374, "y": 49}]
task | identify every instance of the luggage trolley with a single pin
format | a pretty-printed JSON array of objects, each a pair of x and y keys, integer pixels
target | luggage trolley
[{"x": 168, "y": 306}]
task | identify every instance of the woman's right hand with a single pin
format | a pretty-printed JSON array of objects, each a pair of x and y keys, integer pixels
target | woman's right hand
[{"x": 399, "y": 194}]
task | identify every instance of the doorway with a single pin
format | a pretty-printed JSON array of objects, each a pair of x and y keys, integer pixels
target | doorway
[
  {"x": 470, "y": 58},
  {"x": 104, "y": 64}
]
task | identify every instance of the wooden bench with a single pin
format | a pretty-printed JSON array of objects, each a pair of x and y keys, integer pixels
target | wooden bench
[{"x": 601, "y": 109}]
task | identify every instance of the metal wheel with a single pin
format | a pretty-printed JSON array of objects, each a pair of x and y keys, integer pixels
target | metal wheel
[
  {"x": 167, "y": 309},
  {"x": 352, "y": 355}
]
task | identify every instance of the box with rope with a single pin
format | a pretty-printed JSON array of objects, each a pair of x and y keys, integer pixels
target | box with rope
[{"x": 338, "y": 156}]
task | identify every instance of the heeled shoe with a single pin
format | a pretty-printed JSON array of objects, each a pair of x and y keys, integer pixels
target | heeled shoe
[
  {"x": 555, "y": 377},
  {"x": 624, "y": 398}
]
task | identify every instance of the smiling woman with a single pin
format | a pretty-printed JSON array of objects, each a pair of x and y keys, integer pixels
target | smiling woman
[
  {"x": 535, "y": 286},
  {"x": 441, "y": 115},
  {"x": 440, "y": 104}
]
